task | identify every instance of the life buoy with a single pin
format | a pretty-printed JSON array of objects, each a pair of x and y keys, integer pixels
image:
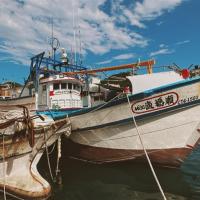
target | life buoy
[{"x": 185, "y": 73}]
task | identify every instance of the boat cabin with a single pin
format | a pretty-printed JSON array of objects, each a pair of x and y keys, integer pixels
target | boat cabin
[
  {"x": 93, "y": 94},
  {"x": 60, "y": 92}
]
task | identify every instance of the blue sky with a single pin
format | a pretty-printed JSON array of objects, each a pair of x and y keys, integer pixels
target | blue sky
[{"x": 111, "y": 32}]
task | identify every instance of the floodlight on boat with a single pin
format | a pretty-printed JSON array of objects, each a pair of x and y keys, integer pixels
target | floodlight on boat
[{"x": 63, "y": 57}]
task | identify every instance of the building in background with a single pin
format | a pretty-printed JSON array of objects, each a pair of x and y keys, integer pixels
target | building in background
[{"x": 10, "y": 89}]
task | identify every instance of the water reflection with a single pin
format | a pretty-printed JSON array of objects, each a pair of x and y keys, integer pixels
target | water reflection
[
  {"x": 191, "y": 173},
  {"x": 83, "y": 181},
  {"x": 123, "y": 181}
]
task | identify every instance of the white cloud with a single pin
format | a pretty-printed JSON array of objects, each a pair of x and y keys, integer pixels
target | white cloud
[
  {"x": 163, "y": 46},
  {"x": 161, "y": 51},
  {"x": 147, "y": 10},
  {"x": 159, "y": 23},
  {"x": 124, "y": 56},
  {"x": 26, "y": 25},
  {"x": 183, "y": 42},
  {"x": 104, "y": 62},
  {"x": 118, "y": 57}
]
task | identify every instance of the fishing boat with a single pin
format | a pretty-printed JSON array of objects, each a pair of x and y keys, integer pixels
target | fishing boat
[
  {"x": 102, "y": 128},
  {"x": 23, "y": 138},
  {"x": 163, "y": 107},
  {"x": 48, "y": 89}
]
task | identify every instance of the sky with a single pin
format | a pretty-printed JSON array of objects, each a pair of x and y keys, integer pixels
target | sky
[{"x": 104, "y": 32}]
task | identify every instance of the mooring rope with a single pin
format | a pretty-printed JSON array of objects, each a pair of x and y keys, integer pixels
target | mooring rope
[
  {"x": 47, "y": 153},
  {"x": 59, "y": 155},
  {"x": 12, "y": 195},
  {"x": 146, "y": 154},
  {"x": 51, "y": 151},
  {"x": 101, "y": 106},
  {"x": 4, "y": 171}
]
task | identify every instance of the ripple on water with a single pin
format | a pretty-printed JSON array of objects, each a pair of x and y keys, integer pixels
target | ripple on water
[
  {"x": 125, "y": 181},
  {"x": 191, "y": 173}
]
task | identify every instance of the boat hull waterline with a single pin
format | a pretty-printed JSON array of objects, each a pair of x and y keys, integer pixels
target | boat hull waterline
[{"x": 168, "y": 119}]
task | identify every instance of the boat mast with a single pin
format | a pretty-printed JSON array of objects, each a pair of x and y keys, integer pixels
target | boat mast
[
  {"x": 52, "y": 52},
  {"x": 74, "y": 29},
  {"x": 79, "y": 38}
]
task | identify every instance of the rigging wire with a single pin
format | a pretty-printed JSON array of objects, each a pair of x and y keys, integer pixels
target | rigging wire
[
  {"x": 4, "y": 170},
  {"x": 146, "y": 154},
  {"x": 74, "y": 29},
  {"x": 79, "y": 37}
]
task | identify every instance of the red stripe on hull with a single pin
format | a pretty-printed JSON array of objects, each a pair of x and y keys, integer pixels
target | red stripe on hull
[{"x": 162, "y": 157}]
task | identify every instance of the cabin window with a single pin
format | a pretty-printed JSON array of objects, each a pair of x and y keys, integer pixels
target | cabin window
[
  {"x": 69, "y": 86},
  {"x": 63, "y": 86},
  {"x": 56, "y": 86},
  {"x": 76, "y": 87},
  {"x": 98, "y": 98}
]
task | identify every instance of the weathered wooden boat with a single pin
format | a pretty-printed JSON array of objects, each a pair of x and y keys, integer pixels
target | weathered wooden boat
[
  {"x": 166, "y": 109},
  {"x": 23, "y": 140},
  {"x": 28, "y": 101}
]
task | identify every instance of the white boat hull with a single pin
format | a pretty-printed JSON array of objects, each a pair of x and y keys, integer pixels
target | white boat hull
[
  {"x": 168, "y": 139},
  {"x": 169, "y": 133}
]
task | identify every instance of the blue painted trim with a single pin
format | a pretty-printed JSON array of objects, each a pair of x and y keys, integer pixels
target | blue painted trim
[
  {"x": 57, "y": 114},
  {"x": 138, "y": 96},
  {"x": 147, "y": 115}
]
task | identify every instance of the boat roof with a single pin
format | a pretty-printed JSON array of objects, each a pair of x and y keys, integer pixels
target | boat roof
[
  {"x": 56, "y": 78},
  {"x": 144, "y": 82}
]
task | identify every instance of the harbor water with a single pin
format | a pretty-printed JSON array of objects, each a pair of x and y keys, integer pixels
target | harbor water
[
  {"x": 121, "y": 181},
  {"x": 125, "y": 181}
]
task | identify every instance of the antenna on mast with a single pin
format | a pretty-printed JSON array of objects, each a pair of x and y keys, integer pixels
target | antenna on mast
[
  {"x": 74, "y": 28},
  {"x": 52, "y": 36},
  {"x": 54, "y": 42},
  {"x": 79, "y": 37}
]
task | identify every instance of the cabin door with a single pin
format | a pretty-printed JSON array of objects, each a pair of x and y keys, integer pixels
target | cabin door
[{"x": 44, "y": 96}]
